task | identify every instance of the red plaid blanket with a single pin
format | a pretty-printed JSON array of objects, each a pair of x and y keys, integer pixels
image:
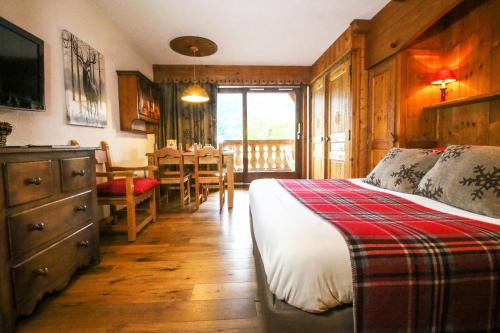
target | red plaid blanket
[{"x": 414, "y": 269}]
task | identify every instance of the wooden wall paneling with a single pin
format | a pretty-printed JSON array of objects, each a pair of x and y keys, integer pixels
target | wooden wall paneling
[
  {"x": 467, "y": 41},
  {"x": 467, "y": 124},
  {"x": 399, "y": 23},
  {"x": 470, "y": 39},
  {"x": 418, "y": 67},
  {"x": 234, "y": 75},
  {"x": 383, "y": 108},
  {"x": 339, "y": 121},
  {"x": 344, "y": 44},
  {"x": 477, "y": 124},
  {"x": 318, "y": 129},
  {"x": 304, "y": 135},
  {"x": 494, "y": 125},
  {"x": 359, "y": 95},
  {"x": 495, "y": 46},
  {"x": 338, "y": 50}
]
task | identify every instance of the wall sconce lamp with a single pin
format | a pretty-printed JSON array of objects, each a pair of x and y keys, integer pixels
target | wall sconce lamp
[{"x": 443, "y": 77}]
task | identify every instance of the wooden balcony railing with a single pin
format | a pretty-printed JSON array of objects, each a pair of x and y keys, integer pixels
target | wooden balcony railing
[{"x": 264, "y": 155}]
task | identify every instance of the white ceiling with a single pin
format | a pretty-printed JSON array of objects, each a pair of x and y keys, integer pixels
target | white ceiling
[{"x": 248, "y": 32}]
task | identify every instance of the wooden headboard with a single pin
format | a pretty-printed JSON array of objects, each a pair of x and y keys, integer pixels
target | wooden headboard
[
  {"x": 471, "y": 120},
  {"x": 467, "y": 41}
]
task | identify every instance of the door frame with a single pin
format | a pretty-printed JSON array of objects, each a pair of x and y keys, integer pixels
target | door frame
[
  {"x": 320, "y": 81},
  {"x": 246, "y": 176}
]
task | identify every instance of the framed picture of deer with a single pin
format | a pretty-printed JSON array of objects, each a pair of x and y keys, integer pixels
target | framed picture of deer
[{"x": 84, "y": 83}]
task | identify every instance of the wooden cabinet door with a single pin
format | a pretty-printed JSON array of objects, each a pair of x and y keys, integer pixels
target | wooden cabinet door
[
  {"x": 339, "y": 115},
  {"x": 383, "y": 89},
  {"x": 318, "y": 129}
]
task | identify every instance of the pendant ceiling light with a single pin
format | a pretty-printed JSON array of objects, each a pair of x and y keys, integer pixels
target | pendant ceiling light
[{"x": 194, "y": 47}]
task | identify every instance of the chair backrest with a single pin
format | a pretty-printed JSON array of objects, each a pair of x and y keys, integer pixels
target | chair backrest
[
  {"x": 170, "y": 161},
  {"x": 205, "y": 159},
  {"x": 103, "y": 158}
]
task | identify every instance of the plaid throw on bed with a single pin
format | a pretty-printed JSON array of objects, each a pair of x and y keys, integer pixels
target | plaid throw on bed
[{"x": 414, "y": 269}]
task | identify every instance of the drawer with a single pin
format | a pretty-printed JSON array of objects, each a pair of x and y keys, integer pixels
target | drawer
[
  {"x": 37, "y": 227},
  {"x": 51, "y": 269},
  {"x": 75, "y": 173},
  {"x": 28, "y": 181}
]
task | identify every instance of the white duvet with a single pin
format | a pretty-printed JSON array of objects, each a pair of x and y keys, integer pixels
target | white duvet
[{"x": 305, "y": 258}]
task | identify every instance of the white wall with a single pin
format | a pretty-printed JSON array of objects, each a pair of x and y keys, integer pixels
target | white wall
[{"x": 46, "y": 19}]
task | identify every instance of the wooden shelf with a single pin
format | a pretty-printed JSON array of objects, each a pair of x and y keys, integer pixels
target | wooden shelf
[
  {"x": 464, "y": 101},
  {"x": 139, "y": 102}
]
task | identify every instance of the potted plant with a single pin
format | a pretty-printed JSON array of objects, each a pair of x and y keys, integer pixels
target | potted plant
[{"x": 5, "y": 129}]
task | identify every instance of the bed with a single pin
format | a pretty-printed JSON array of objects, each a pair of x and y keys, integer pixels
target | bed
[{"x": 303, "y": 263}]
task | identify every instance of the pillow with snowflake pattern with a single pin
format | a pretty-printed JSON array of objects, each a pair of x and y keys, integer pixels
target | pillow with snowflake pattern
[
  {"x": 466, "y": 177},
  {"x": 402, "y": 169}
]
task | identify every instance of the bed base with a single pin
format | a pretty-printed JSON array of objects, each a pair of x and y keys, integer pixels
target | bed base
[{"x": 279, "y": 316}]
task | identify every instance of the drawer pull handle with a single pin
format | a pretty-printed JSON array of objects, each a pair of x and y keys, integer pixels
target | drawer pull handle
[
  {"x": 44, "y": 271},
  {"x": 38, "y": 226},
  {"x": 83, "y": 243},
  {"x": 81, "y": 208},
  {"x": 34, "y": 180},
  {"x": 79, "y": 173}
]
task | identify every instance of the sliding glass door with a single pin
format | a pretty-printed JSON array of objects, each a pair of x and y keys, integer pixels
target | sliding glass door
[{"x": 260, "y": 125}]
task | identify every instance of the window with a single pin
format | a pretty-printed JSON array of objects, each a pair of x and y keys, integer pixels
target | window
[{"x": 260, "y": 126}]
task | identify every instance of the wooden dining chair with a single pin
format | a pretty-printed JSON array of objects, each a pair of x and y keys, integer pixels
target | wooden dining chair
[
  {"x": 208, "y": 169},
  {"x": 123, "y": 188},
  {"x": 171, "y": 171}
]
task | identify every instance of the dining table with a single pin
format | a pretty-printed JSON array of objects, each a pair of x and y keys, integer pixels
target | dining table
[{"x": 228, "y": 160}]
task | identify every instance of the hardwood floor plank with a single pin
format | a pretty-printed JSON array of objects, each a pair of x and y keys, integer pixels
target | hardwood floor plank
[
  {"x": 212, "y": 291},
  {"x": 188, "y": 272},
  {"x": 220, "y": 326}
]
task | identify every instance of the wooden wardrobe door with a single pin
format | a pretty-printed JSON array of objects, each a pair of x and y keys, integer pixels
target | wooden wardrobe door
[
  {"x": 339, "y": 116},
  {"x": 383, "y": 83},
  {"x": 318, "y": 129}
]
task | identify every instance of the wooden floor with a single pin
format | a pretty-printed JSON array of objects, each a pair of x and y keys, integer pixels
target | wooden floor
[{"x": 188, "y": 272}]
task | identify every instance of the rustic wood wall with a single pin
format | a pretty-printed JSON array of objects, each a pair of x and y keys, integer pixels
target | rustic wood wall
[
  {"x": 344, "y": 44},
  {"x": 467, "y": 40},
  {"x": 409, "y": 41},
  {"x": 234, "y": 75},
  {"x": 399, "y": 23}
]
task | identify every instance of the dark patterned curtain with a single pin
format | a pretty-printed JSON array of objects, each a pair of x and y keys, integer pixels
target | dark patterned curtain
[{"x": 187, "y": 123}]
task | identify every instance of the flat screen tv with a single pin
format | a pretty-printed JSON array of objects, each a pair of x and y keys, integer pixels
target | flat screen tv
[{"x": 21, "y": 68}]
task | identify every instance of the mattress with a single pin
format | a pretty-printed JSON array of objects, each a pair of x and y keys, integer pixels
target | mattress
[{"x": 305, "y": 258}]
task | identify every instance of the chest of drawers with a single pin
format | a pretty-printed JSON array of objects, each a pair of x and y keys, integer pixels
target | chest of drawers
[{"x": 48, "y": 224}]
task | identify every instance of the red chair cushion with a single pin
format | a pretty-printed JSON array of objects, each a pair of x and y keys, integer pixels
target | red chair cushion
[{"x": 117, "y": 187}]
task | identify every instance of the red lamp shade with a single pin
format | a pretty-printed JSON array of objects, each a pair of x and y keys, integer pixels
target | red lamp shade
[{"x": 444, "y": 76}]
